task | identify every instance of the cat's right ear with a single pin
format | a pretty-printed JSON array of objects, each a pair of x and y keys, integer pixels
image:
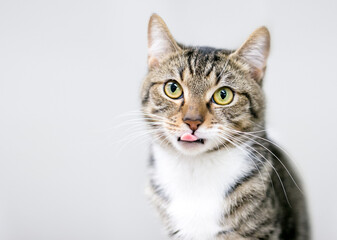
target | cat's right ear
[
  {"x": 160, "y": 41},
  {"x": 255, "y": 52}
]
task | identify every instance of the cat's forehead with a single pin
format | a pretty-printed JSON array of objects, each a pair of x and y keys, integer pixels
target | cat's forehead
[
  {"x": 202, "y": 61},
  {"x": 202, "y": 68}
]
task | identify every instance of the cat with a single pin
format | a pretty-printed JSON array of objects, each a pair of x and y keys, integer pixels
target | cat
[{"x": 214, "y": 174}]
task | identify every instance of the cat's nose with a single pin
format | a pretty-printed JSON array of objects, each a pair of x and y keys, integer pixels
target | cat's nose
[{"x": 193, "y": 123}]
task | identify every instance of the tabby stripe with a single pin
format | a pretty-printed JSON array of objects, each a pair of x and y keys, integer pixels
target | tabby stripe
[
  {"x": 219, "y": 147},
  {"x": 181, "y": 73},
  {"x": 216, "y": 57},
  {"x": 162, "y": 109},
  {"x": 254, "y": 208},
  {"x": 251, "y": 109},
  {"x": 218, "y": 78},
  {"x": 244, "y": 201},
  {"x": 242, "y": 180},
  {"x": 225, "y": 232},
  {"x": 218, "y": 75},
  {"x": 158, "y": 190},
  {"x": 206, "y": 59},
  {"x": 208, "y": 72},
  {"x": 147, "y": 96},
  {"x": 196, "y": 60},
  {"x": 192, "y": 62},
  {"x": 267, "y": 223},
  {"x": 222, "y": 71},
  {"x": 208, "y": 105},
  {"x": 230, "y": 119},
  {"x": 174, "y": 233},
  {"x": 254, "y": 212},
  {"x": 151, "y": 161},
  {"x": 181, "y": 105},
  {"x": 209, "y": 64},
  {"x": 189, "y": 59}
]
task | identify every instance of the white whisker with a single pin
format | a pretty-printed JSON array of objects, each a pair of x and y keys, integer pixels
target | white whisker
[{"x": 252, "y": 135}]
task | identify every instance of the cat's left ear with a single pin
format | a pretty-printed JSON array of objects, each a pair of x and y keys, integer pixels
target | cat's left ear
[
  {"x": 255, "y": 52},
  {"x": 160, "y": 41}
]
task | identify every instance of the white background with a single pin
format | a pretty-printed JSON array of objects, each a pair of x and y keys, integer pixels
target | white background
[{"x": 68, "y": 69}]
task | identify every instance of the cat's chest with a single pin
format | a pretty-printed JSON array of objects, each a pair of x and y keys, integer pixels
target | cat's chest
[{"x": 196, "y": 188}]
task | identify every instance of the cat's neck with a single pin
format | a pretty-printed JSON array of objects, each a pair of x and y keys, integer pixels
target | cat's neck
[
  {"x": 196, "y": 186},
  {"x": 228, "y": 165}
]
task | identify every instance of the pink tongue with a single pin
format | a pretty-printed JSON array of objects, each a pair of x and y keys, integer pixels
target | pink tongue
[{"x": 188, "y": 137}]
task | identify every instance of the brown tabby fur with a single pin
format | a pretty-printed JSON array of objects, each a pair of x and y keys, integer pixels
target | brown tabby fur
[{"x": 266, "y": 203}]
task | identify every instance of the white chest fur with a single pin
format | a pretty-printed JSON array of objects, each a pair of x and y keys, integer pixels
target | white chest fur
[{"x": 196, "y": 187}]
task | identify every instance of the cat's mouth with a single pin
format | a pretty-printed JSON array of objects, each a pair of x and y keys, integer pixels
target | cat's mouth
[{"x": 190, "y": 138}]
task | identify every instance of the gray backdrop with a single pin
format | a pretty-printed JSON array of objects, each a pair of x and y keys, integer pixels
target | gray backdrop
[{"x": 71, "y": 164}]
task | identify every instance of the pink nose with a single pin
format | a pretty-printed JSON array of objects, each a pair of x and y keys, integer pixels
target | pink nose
[{"x": 193, "y": 124}]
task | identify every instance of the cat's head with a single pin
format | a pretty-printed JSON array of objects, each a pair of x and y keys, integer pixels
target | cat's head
[{"x": 196, "y": 99}]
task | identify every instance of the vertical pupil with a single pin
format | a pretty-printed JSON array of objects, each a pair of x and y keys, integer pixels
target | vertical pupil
[
  {"x": 223, "y": 94},
  {"x": 173, "y": 87}
]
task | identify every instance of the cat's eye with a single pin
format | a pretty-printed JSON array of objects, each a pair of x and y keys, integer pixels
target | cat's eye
[
  {"x": 173, "y": 89},
  {"x": 223, "y": 96}
]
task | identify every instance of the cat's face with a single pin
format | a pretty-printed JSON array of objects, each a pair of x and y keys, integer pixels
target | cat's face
[{"x": 197, "y": 100}]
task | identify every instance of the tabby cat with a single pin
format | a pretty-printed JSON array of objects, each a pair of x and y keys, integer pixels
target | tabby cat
[{"x": 213, "y": 172}]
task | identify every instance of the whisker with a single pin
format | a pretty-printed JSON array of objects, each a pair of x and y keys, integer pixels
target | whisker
[
  {"x": 282, "y": 185},
  {"x": 243, "y": 134},
  {"x": 255, "y": 157},
  {"x": 245, "y": 151}
]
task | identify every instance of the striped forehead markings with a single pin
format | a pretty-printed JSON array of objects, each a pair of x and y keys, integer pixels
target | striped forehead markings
[
  {"x": 209, "y": 61},
  {"x": 202, "y": 64},
  {"x": 181, "y": 73}
]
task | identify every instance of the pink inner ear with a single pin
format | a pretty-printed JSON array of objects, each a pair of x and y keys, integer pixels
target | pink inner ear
[
  {"x": 152, "y": 61},
  {"x": 188, "y": 137}
]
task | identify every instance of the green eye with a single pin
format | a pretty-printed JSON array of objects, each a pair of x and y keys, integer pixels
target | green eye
[
  {"x": 223, "y": 96},
  {"x": 173, "y": 89}
]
